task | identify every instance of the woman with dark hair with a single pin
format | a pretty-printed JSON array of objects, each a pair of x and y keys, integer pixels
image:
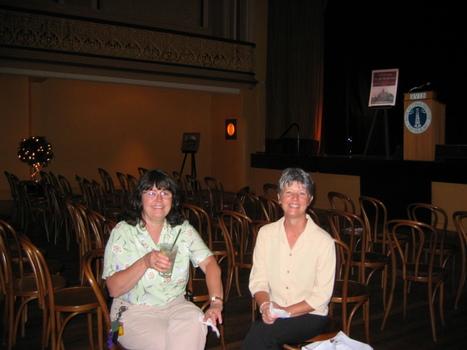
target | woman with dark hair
[
  {"x": 149, "y": 305},
  {"x": 293, "y": 270}
]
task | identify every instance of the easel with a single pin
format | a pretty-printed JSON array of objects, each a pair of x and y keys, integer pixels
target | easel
[
  {"x": 386, "y": 131},
  {"x": 193, "y": 163}
]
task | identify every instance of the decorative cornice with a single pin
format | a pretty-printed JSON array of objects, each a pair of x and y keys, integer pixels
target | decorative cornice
[{"x": 51, "y": 34}]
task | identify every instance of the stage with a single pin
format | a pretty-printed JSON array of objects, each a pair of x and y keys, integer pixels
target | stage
[{"x": 395, "y": 182}]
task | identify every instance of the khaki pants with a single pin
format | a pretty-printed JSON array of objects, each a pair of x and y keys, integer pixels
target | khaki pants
[{"x": 175, "y": 326}]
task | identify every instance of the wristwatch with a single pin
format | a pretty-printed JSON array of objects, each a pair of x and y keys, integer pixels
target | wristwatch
[{"x": 216, "y": 298}]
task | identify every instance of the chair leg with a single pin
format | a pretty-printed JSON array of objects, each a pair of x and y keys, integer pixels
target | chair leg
[
  {"x": 228, "y": 283},
  {"x": 390, "y": 300},
  {"x": 432, "y": 311},
  {"x": 460, "y": 288},
  {"x": 237, "y": 280}
]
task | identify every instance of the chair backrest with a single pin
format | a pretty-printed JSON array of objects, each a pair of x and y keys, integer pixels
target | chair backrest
[
  {"x": 248, "y": 204},
  {"x": 109, "y": 187},
  {"x": 124, "y": 185},
  {"x": 375, "y": 216},
  {"x": 65, "y": 186},
  {"x": 270, "y": 190},
  {"x": 92, "y": 265},
  {"x": 432, "y": 215},
  {"x": 194, "y": 194},
  {"x": 349, "y": 227},
  {"x": 216, "y": 195},
  {"x": 239, "y": 234},
  {"x": 460, "y": 222},
  {"x": 6, "y": 269},
  {"x": 44, "y": 283},
  {"x": 271, "y": 207},
  {"x": 314, "y": 215},
  {"x": 131, "y": 182},
  {"x": 341, "y": 201},
  {"x": 199, "y": 218},
  {"x": 142, "y": 171},
  {"x": 422, "y": 241}
]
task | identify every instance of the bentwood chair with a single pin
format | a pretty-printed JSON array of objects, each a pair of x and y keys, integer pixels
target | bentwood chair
[
  {"x": 272, "y": 210},
  {"x": 411, "y": 265},
  {"x": 438, "y": 218},
  {"x": 240, "y": 238},
  {"x": 363, "y": 257},
  {"x": 199, "y": 218},
  {"x": 70, "y": 301},
  {"x": 270, "y": 190},
  {"x": 113, "y": 197},
  {"x": 92, "y": 265},
  {"x": 17, "y": 284},
  {"x": 340, "y": 201},
  {"x": 13, "y": 181},
  {"x": 460, "y": 222}
]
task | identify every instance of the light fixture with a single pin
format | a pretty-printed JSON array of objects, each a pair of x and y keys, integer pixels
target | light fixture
[{"x": 231, "y": 129}]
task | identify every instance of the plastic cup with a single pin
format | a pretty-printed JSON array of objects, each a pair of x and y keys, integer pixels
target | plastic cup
[{"x": 170, "y": 250}]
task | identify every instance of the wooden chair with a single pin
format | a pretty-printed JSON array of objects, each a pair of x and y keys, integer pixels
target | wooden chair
[
  {"x": 363, "y": 257},
  {"x": 216, "y": 196},
  {"x": 194, "y": 192},
  {"x": 460, "y": 222},
  {"x": 13, "y": 181},
  {"x": 270, "y": 190},
  {"x": 131, "y": 182},
  {"x": 342, "y": 202},
  {"x": 310, "y": 211},
  {"x": 71, "y": 300},
  {"x": 200, "y": 220},
  {"x": 240, "y": 238},
  {"x": 16, "y": 284},
  {"x": 92, "y": 265},
  {"x": 142, "y": 171},
  {"x": 410, "y": 265},
  {"x": 124, "y": 185},
  {"x": 438, "y": 218},
  {"x": 272, "y": 210},
  {"x": 113, "y": 197}
]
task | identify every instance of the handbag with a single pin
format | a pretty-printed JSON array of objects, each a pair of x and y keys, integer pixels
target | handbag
[{"x": 340, "y": 342}]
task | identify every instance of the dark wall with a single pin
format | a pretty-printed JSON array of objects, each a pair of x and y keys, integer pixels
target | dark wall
[{"x": 421, "y": 38}]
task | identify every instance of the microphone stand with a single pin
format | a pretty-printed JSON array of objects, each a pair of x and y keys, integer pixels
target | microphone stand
[{"x": 283, "y": 135}]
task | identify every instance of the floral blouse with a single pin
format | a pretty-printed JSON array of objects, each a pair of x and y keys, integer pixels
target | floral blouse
[{"x": 127, "y": 244}]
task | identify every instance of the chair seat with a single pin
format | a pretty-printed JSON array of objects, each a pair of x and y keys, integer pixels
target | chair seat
[
  {"x": 356, "y": 291},
  {"x": 75, "y": 299},
  {"x": 438, "y": 272},
  {"x": 370, "y": 258},
  {"x": 28, "y": 284},
  {"x": 247, "y": 261}
]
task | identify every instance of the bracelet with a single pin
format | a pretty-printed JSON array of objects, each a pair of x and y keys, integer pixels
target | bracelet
[{"x": 217, "y": 298}]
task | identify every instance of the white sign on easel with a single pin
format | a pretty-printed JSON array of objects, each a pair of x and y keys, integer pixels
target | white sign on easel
[{"x": 383, "y": 87}]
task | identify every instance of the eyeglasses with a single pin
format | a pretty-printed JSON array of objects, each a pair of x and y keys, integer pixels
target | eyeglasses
[{"x": 164, "y": 195}]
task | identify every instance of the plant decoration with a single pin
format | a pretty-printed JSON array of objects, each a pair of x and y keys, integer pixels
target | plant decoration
[{"x": 36, "y": 152}]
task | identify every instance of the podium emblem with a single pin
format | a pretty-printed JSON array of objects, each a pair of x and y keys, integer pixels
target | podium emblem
[{"x": 417, "y": 117}]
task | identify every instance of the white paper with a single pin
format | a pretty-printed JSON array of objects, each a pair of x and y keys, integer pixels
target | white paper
[
  {"x": 210, "y": 324},
  {"x": 278, "y": 312}
]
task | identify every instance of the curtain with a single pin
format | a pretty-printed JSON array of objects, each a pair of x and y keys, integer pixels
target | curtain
[{"x": 295, "y": 76}]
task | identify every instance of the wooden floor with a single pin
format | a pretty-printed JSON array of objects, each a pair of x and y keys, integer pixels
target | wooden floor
[{"x": 412, "y": 332}]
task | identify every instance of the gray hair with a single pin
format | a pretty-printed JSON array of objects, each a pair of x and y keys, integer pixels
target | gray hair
[{"x": 291, "y": 175}]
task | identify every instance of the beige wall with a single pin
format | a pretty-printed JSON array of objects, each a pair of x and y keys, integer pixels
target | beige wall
[{"x": 119, "y": 128}]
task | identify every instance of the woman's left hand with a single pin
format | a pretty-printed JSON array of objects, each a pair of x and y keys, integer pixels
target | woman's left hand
[{"x": 214, "y": 313}]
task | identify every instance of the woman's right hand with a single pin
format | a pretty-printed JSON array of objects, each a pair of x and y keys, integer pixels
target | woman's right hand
[{"x": 156, "y": 260}]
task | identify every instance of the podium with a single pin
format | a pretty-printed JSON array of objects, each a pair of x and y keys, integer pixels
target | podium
[{"x": 424, "y": 125}]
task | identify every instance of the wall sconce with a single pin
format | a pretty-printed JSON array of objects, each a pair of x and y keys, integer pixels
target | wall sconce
[{"x": 231, "y": 129}]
